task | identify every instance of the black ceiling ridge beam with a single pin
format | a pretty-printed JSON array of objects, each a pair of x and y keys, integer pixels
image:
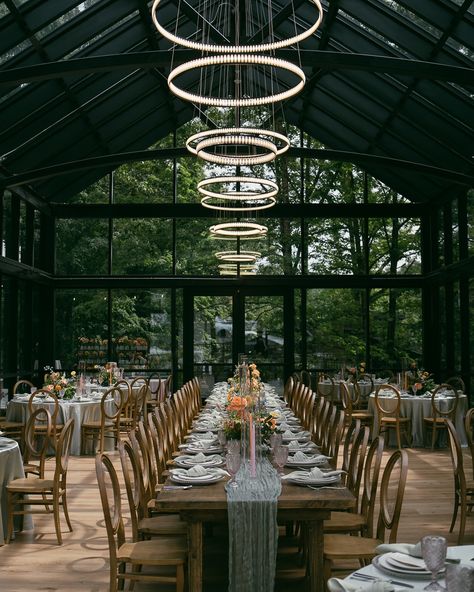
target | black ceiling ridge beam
[
  {"x": 328, "y": 21},
  {"x": 112, "y": 161},
  {"x": 325, "y": 60},
  {"x": 285, "y": 13},
  {"x": 279, "y": 210}
]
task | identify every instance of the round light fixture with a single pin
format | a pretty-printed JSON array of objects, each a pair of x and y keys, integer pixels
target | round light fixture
[
  {"x": 233, "y": 200},
  {"x": 235, "y": 60},
  {"x": 236, "y": 269},
  {"x": 238, "y": 256},
  {"x": 237, "y": 48},
  {"x": 272, "y": 143},
  {"x": 238, "y": 230}
]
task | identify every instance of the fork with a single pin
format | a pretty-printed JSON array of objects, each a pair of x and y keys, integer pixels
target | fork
[{"x": 368, "y": 578}]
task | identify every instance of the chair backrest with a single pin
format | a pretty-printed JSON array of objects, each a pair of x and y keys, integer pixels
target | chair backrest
[
  {"x": 159, "y": 441},
  {"x": 109, "y": 489},
  {"x": 469, "y": 427},
  {"x": 394, "y": 479},
  {"x": 23, "y": 386},
  {"x": 45, "y": 398},
  {"x": 352, "y": 433},
  {"x": 168, "y": 386},
  {"x": 332, "y": 441},
  {"x": 442, "y": 407},
  {"x": 127, "y": 402},
  {"x": 305, "y": 377},
  {"x": 346, "y": 399},
  {"x": 134, "y": 486},
  {"x": 143, "y": 436},
  {"x": 322, "y": 419},
  {"x": 288, "y": 390},
  {"x": 356, "y": 462},
  {"x": 111, "y": 405},
  {"x": 457, "y": 382},
  {"x": 457, "y": 460},
  {"x": 140, "y": 447},
  {"x": 37, "y": 443},
  {"x": 373, "y": 462},
  {"x": 63, "y": 450},
  {"x": 356, "y": 399},
  {"x": 388, "y": 406},
  {"x": 329, "y": 390}
]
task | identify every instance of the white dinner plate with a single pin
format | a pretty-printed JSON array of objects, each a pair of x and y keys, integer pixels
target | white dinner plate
[
  {"x": 313, "y": 461},
  {"x": 194, "y": 450},
  {"x": 302, "y": 438},
  {"x": 211, "y": 477},
  {"x": 381, "y": 562}
]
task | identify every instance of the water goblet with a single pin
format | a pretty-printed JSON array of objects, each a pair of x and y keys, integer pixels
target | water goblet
[
  {"x": 275, "y": 440},
  {"x": 233, "y": 462},
  {"x": 433, "y": 549},
  {"x": 222, "y": 438},
  {"x": 459, "y": 578},
  {"x": 280, "y": 456},
  {"x": 233, "y": 446}
]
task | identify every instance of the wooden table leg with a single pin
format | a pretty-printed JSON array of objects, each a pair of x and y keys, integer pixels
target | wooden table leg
[
  {"x": 195, "y": 556},
  {"x": 316, "y": 555}
]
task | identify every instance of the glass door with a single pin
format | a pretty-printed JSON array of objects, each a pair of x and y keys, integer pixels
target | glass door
[{"x": 217, "y": 327}]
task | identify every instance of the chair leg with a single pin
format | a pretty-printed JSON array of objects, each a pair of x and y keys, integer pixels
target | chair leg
[
  {"x": 399, "y": 441},
  {"x": 433, "y": 436},
  {"x": 65, "y": 510},
  {"x": 455, "y": 511},
  {"x": 57, "y": 522},
  {"x": 462, "y": 524},
  {"x": 180, "y": 578},
  {"x": 10, "y": 506}
]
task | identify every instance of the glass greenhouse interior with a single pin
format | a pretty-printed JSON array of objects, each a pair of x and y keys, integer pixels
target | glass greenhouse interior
[{"x": 106, "y": 254}]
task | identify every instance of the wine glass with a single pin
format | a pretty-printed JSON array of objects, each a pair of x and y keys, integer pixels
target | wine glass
[
  {"x": 280, "y": 456},
  {"x": 433, "y": 550},
  {"x": 233, "y": 462}
]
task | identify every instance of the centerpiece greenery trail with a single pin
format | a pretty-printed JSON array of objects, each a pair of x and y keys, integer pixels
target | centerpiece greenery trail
[{"x": 58, "y": 383}]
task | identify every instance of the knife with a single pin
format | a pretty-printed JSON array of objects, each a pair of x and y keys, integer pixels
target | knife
[{"x": 367, "y": 578}]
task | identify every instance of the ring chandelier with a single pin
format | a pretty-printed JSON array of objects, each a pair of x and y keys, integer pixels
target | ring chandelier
[
  {"x": 238, "y": 256},
  {"x": 234, "y": 269},
  {"x": 237, "y": 48},
  {"x": 238, "y": 229},
  {"x": 273, "y": 143},
  {"x": 248, "y": 200},
  {"x": 236, "y": 59}
]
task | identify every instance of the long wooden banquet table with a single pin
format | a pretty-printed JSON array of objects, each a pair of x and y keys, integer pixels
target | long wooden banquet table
[{"x": 208, "y": 503}]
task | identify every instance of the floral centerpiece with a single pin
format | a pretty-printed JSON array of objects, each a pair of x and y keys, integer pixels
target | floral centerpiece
[
  {"x": 103, "y": 374},
  {"x": 58, "y": 383},
  {"x": 355, "y": 371},
  {"x": 421, "y": 381}
]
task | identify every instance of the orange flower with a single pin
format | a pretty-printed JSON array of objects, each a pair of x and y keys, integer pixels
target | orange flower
[{"x": 237, "y": 404}]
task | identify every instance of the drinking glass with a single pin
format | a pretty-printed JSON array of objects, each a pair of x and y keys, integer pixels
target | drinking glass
[
  {"x": 233, "y": 462},
  {"x": 233, "y": 446},
  {"x": 275, "y": 440},
  {"x": 459, "y": 578},
  {"x": 222, "y": 438},
  {"x": 280, "y": 456},
  {"x": 433, "y": 549}
]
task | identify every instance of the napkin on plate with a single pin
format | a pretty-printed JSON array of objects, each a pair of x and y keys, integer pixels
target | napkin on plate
[
  {"x": 300, "y": 457},
  {"x": 405, "y": 548},
  {"x": 336, "y": 585},
  {"x": 295, "y": 445},
  {"x": 314, "y": 475}
]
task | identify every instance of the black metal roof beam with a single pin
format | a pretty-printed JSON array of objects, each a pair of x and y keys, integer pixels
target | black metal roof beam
[
  {"x": 62, "y": 84},
  {"x": 282, "y": 16},
  {"x": 194, "y": 16},
  {"x": 414, "y": 83},
  {"x": 24, "y": 272},
  {"x": 327, "y": 24},
  {"x": 195, "y": 210},
  {"x": 326, "y": 60},
  {"x": 35, "y": 200},
  {"x": 112, "y": 161}
]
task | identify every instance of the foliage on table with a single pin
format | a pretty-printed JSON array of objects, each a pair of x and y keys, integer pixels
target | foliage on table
[
  {"x": 355, "y": 371},
  {"x": 250, "y": 389},
  {"x": 58, "y": 383},
  {"x": 422, "y": 382},
  {"x": 232, "y": 426}
]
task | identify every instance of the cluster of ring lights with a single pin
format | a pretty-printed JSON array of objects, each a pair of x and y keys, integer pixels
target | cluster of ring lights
[
  {"x": 201, "y": 46},
  {"x": 236, "y": 146}
]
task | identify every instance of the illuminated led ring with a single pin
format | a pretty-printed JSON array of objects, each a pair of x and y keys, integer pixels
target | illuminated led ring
[
  {"x": 237, "y": 48},
  {"x": 254, "y": 200},
  {"x": 274, "y": 143},
  {"x": 233, "y": 269},
  {"x": 239, "y": 229},
  {"x": 237, "y": 59},
  {"x": 238, "y": 256}
]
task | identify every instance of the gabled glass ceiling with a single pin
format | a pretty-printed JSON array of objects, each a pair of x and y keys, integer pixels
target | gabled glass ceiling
[{"x": 405, "y": 114}]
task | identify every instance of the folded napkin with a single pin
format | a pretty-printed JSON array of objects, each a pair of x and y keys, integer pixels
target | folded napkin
[
  {"x": 314, "y": 475},
  {"x": 205, "y": 436},
  {"x": 295, "y": 445},
  {"x": 336, "y": 585},
  {"x": 197, "y": 471},
  {"x": 300, "y": 457},
  {"x": 405, "y": 548},
  {"x": 200, "y": 457},
  {"x": 204, "y": 444}
]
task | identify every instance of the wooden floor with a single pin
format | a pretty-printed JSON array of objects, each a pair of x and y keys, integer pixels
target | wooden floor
[{"x": 34, "y": 561}]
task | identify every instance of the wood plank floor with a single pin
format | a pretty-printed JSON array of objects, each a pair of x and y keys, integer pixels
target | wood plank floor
[{"x": 34, "y": 561}]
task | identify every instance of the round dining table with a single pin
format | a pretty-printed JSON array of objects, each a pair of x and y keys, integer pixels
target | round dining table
[
  {"x": 11, "y": 467},
  {"x": 81, "y": 410},
  {"x": 419, "y": 407},
  {"x": 464, "y": 553}
]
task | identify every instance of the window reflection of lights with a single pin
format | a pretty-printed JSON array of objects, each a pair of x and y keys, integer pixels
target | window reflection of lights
[
  {"x": 236, "y": 60},
  {"x": 239, "y": 230},
  {"x": 201, "y": 46},
  {"x": 236, "y": 269}
]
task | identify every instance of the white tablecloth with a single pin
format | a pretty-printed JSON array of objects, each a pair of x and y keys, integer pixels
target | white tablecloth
[
  {"x": 80, "y": 411},
  {"x": 465, "y": 553},
  {"x": 417, "y": 408},
  {"x": 11, "y": 467},
  {"x": 324, "y": 388}
]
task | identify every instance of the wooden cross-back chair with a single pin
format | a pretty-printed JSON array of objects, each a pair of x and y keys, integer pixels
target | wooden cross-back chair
[
  {"x": 388, "y": 414},
  {"x": 347, "y": 403},
  {"x": 441, "y": 410},
  {"x": 44, "y": 398},
  {"x": 469, "y": 428},
  {"x": 126, "y": 559},
  {"x": 108, "y": 426},
  {"x": 329, "y": 390},
  {"x": 36, "y": 442}
]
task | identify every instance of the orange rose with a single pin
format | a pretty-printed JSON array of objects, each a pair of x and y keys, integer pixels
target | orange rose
[{"x": 237, "y": 404}]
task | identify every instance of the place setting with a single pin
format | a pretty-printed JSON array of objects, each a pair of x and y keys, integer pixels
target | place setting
[
  {"x": 198, "y": 475},
  {"x": 190, "y": 460},
  {"x": 301, "y": 459},
  {"x": 313, "y": 478}
]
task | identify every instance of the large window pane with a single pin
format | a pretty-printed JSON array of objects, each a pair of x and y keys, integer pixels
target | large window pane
[
  {"x": 149, "y": 181},
  {"x": 82, "y": 246},
  {"x": 394, "y": 246},
  {"x": 336, "y": 246},
  {"x": 142, "y": 246}
]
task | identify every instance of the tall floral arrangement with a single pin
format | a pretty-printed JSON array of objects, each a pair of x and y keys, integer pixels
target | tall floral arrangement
[{"x": 58, "y": 383}]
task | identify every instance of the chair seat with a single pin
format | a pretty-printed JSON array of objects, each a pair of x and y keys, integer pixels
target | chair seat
[
  {"x": 393, "y": 420},
  {"x": 96, "y": 425},
  {"x": 362, "y": 415},
  {"x": 340, "y": 546},
  {"x": 164, "y": 551},
  {"x": 344, "y": 522},
  {"x": 165, "y": 524},
  {"x": 30, "y": 485},
  {"x": 437, "y": 420},
  {"x": 5, "y": 425}
]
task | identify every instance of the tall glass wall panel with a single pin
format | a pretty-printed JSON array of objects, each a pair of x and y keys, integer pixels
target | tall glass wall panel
[
  {"x": 335, "y": 328},
  {"x": 81, "y": 336},
  {"x": 142, "y": 246},
  {"x": 336, "y": 246},
  {"x": 394, "y": 246},
  {"x": 82, "y": 246},
  {"x": 149, "y": 181},
  {"x": 395, "y": 328}
]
